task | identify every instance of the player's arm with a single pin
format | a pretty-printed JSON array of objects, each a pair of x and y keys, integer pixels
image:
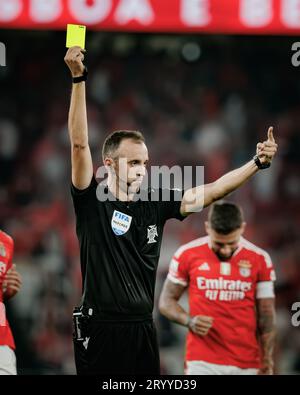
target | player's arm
[
  {"x": 199, "y": 197},
  {"x": 12, "y": 283},
  {"x": 170, "y": 308},
  {"x": 266, "y": 331},
  {"x": 82, "y": 166}
]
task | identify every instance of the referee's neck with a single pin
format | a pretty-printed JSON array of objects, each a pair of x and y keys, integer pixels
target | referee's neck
[{"x": 119, "y": 193}]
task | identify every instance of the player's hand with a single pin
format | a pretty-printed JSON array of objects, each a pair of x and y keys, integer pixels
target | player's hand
[
  {"x": 74, "y": 59},
  {"x": 267, "y": 149},
  {"x": 12, "y": 282},
  {"x": 201, "y": 324}
]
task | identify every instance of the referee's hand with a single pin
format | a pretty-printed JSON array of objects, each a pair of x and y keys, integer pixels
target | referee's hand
[
  {"x": 74, "y": 59},
  {"x": 267, "y": 149},
  {"x": 201, "y": 324}
]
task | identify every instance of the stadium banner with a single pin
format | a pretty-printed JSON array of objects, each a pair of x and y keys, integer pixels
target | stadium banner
[{"x": 210, "y": 16}]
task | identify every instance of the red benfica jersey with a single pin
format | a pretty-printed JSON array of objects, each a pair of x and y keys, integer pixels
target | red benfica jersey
[
  {"x": 6, "y": 254},
  {"x": 226, "y": 291}
]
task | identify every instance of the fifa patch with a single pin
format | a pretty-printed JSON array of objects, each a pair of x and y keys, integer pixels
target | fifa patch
[
  {"x": 2, "y": 250},
  {"x": 120, "y": 223},
  {"x": 245, "y": 268},
  {"x": 151, "y": 234},
  {"x": 225, "y": 268}
]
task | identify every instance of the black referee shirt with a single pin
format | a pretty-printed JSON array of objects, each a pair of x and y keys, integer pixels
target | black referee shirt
[{"x": 119, "y": 251}]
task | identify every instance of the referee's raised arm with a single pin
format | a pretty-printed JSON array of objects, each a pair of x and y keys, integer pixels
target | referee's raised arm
[{"x": 82, "y": 166}]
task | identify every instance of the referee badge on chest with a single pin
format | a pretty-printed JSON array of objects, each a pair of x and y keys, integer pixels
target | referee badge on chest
[
  {"x": 152, "y": 234},
  {"x": 120, "y": 223}
]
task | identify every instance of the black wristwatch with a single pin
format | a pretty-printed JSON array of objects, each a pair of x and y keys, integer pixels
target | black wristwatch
[
  {"x": 259, "y": 164},
  {"x": 83, "y": 77}
]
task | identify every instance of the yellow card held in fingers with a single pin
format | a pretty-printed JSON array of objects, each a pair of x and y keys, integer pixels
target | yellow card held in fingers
[{"x": 75, "y": 36}]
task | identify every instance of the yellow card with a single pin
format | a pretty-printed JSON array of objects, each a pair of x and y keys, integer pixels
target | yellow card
[{"x": 75, "y": 36}]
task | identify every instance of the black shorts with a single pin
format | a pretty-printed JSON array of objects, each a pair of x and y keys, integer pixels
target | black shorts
[{"x": 114, "y": 347}]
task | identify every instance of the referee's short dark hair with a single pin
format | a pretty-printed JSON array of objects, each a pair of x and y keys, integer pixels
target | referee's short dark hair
[
  {"x": 113, "y": 140},
  {"x": 225, "y": 217}
]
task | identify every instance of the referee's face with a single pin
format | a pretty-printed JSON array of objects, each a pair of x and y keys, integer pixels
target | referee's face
[
  {"x": 132, "y": 159},
  {"x": 224, "y": 246}
]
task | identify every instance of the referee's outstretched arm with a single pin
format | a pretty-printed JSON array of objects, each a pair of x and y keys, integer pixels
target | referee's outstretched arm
[
  {"x": 81, "y": 159},
  {"x": 201, "y": 196}
]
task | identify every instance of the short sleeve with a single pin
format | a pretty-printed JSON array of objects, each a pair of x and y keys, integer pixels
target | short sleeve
[
  {"x": 83, "y": 197},
  {"x": 266, "y": 270},
  {"x": 170, "y": 203},
  {"x": 266, "y": 278},
  {"x": 179, "y": 269}
]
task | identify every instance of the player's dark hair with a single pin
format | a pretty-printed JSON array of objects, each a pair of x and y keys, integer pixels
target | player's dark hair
[
  {"x": 113, "y": 140},
  {"x": 225, "y": 217}
]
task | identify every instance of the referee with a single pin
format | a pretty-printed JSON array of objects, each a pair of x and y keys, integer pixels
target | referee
[{"x": 120, "y": 239}]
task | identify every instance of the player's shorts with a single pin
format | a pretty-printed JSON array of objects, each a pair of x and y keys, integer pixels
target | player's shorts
[
  {"x": 117, "y": 347},
  {"x": 7, "y": 361},
  {"x": 205, "y": 368}
]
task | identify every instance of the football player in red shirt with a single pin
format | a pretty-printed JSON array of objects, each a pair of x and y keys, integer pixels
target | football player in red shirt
[
  {"x": 231, "y": 298},
  {"x": 10, "y": 284}
]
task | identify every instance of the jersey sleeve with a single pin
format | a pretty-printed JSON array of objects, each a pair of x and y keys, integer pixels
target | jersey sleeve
[
  {"x": 11, "y": 254},
  {"x": 266, "y": 278},
  {"x": 8, "y": 256},
  {"x": 83, "y": 197},
  {"x": 179, "y": 269},
  {"x": 170, "y": 203}
]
